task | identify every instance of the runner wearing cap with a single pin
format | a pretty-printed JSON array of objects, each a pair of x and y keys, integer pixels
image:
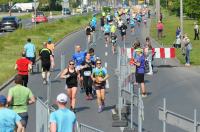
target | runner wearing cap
[
  {"x": 8, "y": 118},
  {"x": 62, "y": 120},
  {"x": 50, "y": 45}
]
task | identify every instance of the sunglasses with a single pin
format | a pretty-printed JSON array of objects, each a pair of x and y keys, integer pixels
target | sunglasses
[
  {"x": 71, "y": 64},
  {"x": 98, "y": 63}
]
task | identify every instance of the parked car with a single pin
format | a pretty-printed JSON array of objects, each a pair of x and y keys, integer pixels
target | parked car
[
  {"x": 10, "y": 23},
  {"x": 40, "y": 17},
  {"x": 66, "y": 11}
]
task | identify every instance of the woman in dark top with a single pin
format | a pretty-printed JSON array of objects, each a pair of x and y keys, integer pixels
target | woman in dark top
[
  {"x": 86, "y": 72},
  {"x": 88, "y": 31},
  {"x": 71, "y": 75}
]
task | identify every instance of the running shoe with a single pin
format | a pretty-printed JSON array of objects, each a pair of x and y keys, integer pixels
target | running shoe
[
  {"x": 44, "y": 82},
  {"x": 103, "y": 105},
  {"x": 100, "y": 109},
  {"x": 82, "y": 90},
  {"x": 90, "y": 97},
  {"x": 87, "y": 97},
  {"x": 144, "y": 95}
]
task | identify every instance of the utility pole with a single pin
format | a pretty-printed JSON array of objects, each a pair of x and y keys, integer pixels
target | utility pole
[
  {"x": 35, "y": 12},
  {"x": 158, "y": 9},
  {"x": 181, "y": 16}
]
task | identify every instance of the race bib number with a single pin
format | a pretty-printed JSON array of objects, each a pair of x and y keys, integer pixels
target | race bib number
[
  {"x": 123, "y": 30},
  {"x": 87, "y": 73}
]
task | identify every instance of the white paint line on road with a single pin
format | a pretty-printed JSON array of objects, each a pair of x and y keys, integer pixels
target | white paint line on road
[
  {"x": 57, "y": 76},
  {"x": 107, "y": 84},
  {"x": 106, "y": 64},
  {"x": 114, "y": 112},
  {"x": 106, "y": 53}
]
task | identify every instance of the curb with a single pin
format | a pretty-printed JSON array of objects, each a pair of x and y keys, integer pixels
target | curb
[{"x": 9, "y": 81}]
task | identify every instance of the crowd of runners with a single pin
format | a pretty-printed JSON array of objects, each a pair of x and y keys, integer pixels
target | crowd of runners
[{"x": 84, "y": 70}]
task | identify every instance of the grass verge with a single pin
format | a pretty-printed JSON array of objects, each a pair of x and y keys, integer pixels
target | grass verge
[
  {"x": 171, "y": 22},
  {"x": 12, "y": 44}
]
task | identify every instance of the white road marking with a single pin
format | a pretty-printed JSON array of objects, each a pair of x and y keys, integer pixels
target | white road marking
[
  {"x": 106, "y": 64},
  {"x": 106, "y": 53}
]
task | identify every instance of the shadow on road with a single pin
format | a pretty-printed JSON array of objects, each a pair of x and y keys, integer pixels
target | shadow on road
[{"x": 79, "y": 109}]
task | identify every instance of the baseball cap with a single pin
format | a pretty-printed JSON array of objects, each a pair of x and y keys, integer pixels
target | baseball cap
[
  {"x": 3, "y": 99},
  {"x": 138, "y": 50},
  {"x": 49, "y": 39},
  {"x": 62, "y": 98}
]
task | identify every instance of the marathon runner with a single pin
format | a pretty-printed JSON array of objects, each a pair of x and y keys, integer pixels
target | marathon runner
[
  {"x": 107, "y": 33},
  {"x": 123, "y": 31},
  {"x": 86, "y": 72},
  {"x": 30, "y": 51},
  {"x": 71, "y": 74},
  {"x": 51, "y": 45},
  {"x": 113, "y": 28},
  {"x": 132, "y": 23},
  {"x": 23, "y": 66},
  {"x": 114, "y": 42},
  {"x": 92, "y": 55},
  {"x": 102, "y": 22},
  {"x": 47, "y": 62},
  {"x": 79, "y": 57},
  {"x": 88, "y": 31},
  {"x": 99, "y": 76}
]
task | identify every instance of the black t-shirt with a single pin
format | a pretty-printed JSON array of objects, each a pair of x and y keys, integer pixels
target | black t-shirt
[
  {"x": 88, "y": 70},
  {"x": 102, "y": 21},
  {"x": 45, "y": 55},
  {"x": 88, "y": 30},
  {"x": 123, "y": 28},
  {"x": 114, "y": 38}
]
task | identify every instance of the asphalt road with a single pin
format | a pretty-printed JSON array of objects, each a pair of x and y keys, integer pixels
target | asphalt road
[{"x": 178, "y": 84}]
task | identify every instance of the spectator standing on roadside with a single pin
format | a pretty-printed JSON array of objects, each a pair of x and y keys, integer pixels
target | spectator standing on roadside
[
  {"x": 188, "y": 48},
  {"x": 30, "y": 51},
  {"x": 62, "y": 120},
  {"x": 178, "y": 31},
  {"x": 8, "y": 118},
  {"x": 47, "y": 60},
  {"x": 23, "y": 66},
  {"x": 148, "y": 55},
  {"x": 19, "y": 97},
  {"x": 160, "y": 28},
  {"x": 196, "y": 31},
  {"x": 140, "y": 70}
]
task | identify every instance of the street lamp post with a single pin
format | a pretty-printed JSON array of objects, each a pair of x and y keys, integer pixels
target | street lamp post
[
  {"x": 158, "y": 9},
  {"x": 35, "y": 12},
  {"x": 181, "y": 16}
]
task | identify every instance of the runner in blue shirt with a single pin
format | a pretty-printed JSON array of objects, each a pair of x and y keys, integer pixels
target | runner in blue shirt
[
  {"x": 62, "y": 120},
  {"x": 30, "y": 51},
  {"x": 107, "y": 33},
  {"x": 78, "y": 58},
  {"x": 8, "y": 118},
  {"x": 132, "y": 23}
]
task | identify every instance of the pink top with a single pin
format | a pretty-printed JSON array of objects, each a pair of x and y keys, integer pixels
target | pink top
[{"x": 160, "y": 26}]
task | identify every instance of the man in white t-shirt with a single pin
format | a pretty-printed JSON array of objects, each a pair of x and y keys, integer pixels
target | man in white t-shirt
[{"x": 196, "y": 31}]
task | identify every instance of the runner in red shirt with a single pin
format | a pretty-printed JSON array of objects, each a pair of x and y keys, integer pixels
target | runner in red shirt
[{"x": 23, "y": 66}]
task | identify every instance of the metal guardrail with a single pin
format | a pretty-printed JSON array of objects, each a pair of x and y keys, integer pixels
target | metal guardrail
[
  {"x": 86, "y": 128},
  {"x": 42, "y": 116},
  {"x": 180, "y": 121}
]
